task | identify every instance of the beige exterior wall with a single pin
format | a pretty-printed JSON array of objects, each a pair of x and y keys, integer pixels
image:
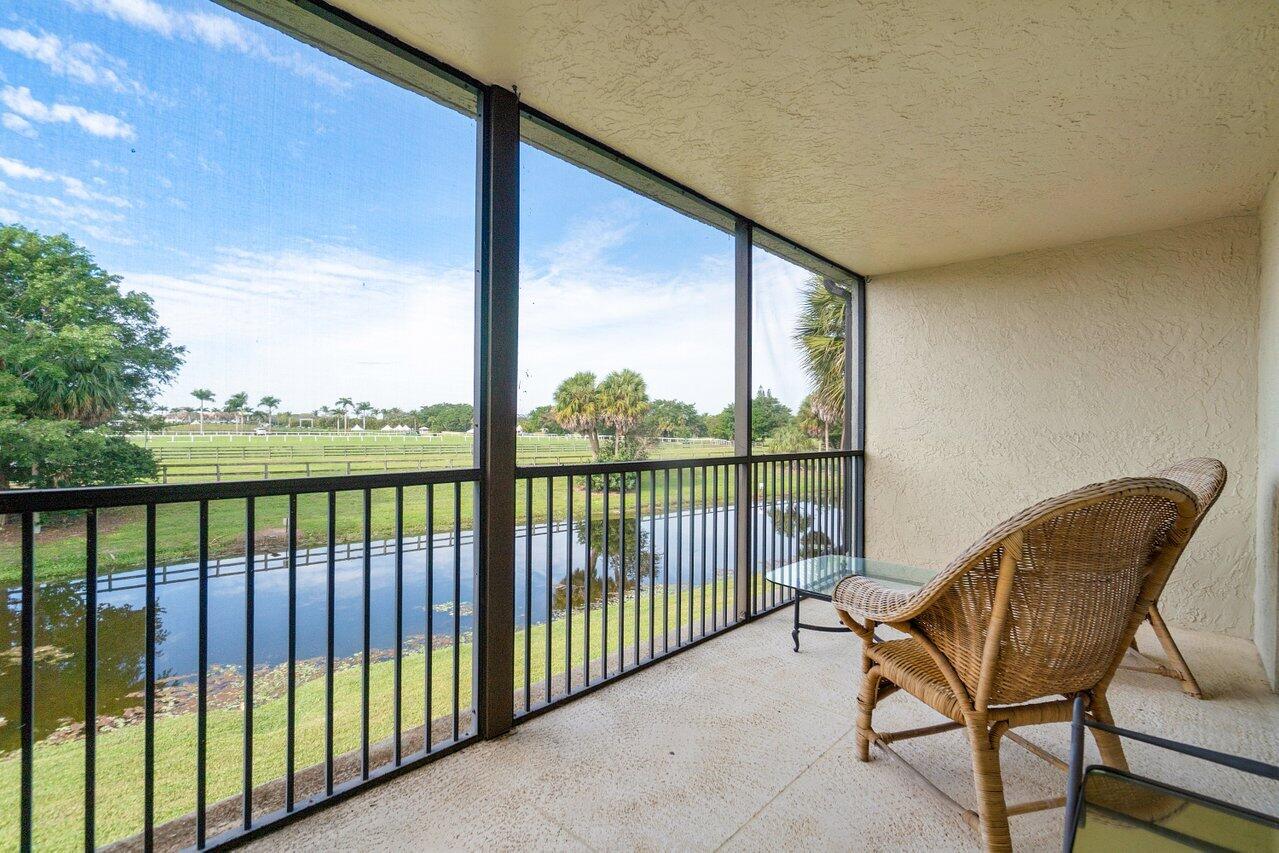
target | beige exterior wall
[
  {"x": 1266, "y": 610},
  {"x": 992, "y": 384}
]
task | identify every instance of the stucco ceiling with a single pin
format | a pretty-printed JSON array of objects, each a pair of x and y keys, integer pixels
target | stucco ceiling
[{"x": 898, "y": 135}]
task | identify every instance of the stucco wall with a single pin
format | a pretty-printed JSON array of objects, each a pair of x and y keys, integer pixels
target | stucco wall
[
  {"x": 992, "y": 384},
  {"x": 1266, "y": 609}
]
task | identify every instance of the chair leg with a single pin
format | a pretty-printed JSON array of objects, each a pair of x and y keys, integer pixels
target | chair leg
[
  {"x": 991, "y": 808},
  {"x": 867, "y": 697},
  {"x": 1187, "y": 678},
  {"x": 1112, "y": 751}
]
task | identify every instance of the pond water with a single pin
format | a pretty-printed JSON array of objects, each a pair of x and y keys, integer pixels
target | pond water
[{"x": 60, "y": 609}]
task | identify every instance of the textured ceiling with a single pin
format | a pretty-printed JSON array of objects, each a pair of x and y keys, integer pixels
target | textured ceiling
[{"x": 899, "y": 135}]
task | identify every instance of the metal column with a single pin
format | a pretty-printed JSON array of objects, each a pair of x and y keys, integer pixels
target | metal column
[
  {"x": 743, "y": 494},
  {"x": 496, "y": 376}
]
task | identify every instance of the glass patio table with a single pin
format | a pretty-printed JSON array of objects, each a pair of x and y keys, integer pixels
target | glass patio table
[{"x": 816, "y": 577}]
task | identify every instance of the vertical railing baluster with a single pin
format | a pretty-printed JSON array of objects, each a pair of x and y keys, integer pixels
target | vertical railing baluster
[
  {"x": 604, "y": 614},
  {"x": 727, "y": 518},
  {"x": 814, "y": 499},
  {"x": 428, "y": 697},
  {"x": 835, "y": 491},
  {"x": 621, "y": 576},
  {"x": 528, "y": 592},
  {"x": 330, "y": 619},
  {"x": 679, "y": 557},
  {"x": 666, "y": 560},
  {"x": 568, "y": 586},
  {"x": 822, "y": 473},
  {"x": 550, "y": 551},
  {"x": 639, "y": 560},
  {"x": 834, "y": 497},
  {"x": 290, "y": 739},
  {"x": 148, "y": 692},
  {"x": 590, "y": 578},
  {"x": 457, "y": 609},
  {"x": 832, "y": 483},
  {"x": 843, "y": 519},
  {"x": 792, "y": 540},
  {"x": 202, "y": 684},
  {"x": 730, "y": 546},
  {"x": 28, "y": 689},
  {"x": 702, "y": 525},
  {"x": 818, "y": 509},
  {"x": 714, "y": 549},
  {"x": 397, "y": 699},
  {"x": 775, "y": 529},
  {"x": 367, "y": 616},
  {"x": 250, "y": 534},
  {"x": 696, "y": 533},
  {"x": 90, "y": 674},
  {"x": 652, "y": 563},
  {"x": 819, "y": 499}
]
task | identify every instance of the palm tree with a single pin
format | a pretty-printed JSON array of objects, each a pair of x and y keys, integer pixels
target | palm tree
[
  {"x": 204, "y": 395},
  {"x": 623, "y": 402},
  {"x": 342, "y": 407},
  {"x": 576, "y": 408},
  {"x": 363, "y": 409},
  {"x": 236, "y": 404},
  {"x": 819, "y": 334},
  {"x": 270, "y": 404}
]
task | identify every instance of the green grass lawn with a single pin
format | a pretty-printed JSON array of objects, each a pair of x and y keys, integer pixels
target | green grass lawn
[{"x": 59, "y": 785}]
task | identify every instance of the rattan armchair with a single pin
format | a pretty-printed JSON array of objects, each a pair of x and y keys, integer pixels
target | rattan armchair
[
  {"x": 1045, "y": 605},
  {"x": 1206, "y": 478}
]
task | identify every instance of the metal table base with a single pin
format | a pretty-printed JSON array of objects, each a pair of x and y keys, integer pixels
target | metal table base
[{"x": 834, "y": 629}]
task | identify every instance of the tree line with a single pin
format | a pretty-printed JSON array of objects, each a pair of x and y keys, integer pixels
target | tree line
[
  {"x": 620, "y": 422},
  {"x": 344, "y": 414}
]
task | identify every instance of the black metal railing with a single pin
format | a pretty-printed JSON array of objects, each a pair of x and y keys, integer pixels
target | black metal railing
[
  {"x": 621, "y": 564},
  {"x": 319, "y": 702},
  {"x": 282, "y": 643},
  {"x": 802, "y": 507}
]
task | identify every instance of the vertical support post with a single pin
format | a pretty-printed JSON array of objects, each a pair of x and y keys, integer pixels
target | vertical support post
[
  {"x": 744, "y": 240},
  {"x": 848, "y": 434},
  {"x": 852, "y": 435},
  {"x": 856, "y": 511},
  {"x": 496, "y": 377}
]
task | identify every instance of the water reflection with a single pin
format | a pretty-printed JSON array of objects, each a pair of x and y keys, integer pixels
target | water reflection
[
  {"x": 628, "y": 557},
  {"x": 61, "y": 664}
]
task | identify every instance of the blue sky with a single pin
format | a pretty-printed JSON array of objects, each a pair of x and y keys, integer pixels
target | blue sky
[{"x": 306, "y": 229}]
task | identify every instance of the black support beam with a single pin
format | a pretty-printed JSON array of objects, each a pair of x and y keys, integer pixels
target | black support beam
[
  {"x": 742, "y": 256},
  {"x": 496, "y": 376}
]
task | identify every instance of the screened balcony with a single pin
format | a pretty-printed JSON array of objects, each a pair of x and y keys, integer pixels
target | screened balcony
[{"x": 1017, "y": 253}]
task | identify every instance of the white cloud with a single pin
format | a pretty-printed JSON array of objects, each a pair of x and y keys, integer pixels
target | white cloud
[
  {"x": 19, "y": 125},
  {"x": 20, "y": 100},
  {"x": 76, "y": 60},
  {"x": 19, "y": 170},
  {"x": 318, "y": 322},
  {"x": 220, "y": 31},
  {"x": 74, "y": 187},
  {"x": 59, "y": 208},
  {"x": 579, "y": 311},
  {"x": 109, "y": 167},
  {"x": 51, "y": 213}
]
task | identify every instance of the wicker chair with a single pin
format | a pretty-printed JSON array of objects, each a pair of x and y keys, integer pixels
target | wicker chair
[
  {"x": 1046, "y": 604},
  {"x": 1206, "y": 478}
]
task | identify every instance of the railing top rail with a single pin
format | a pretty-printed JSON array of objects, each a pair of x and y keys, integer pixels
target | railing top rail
[
  {"x": 586, "y": 468},
  {"x": 101, "y": 497},
  {"x": 806, "y": 454}
]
